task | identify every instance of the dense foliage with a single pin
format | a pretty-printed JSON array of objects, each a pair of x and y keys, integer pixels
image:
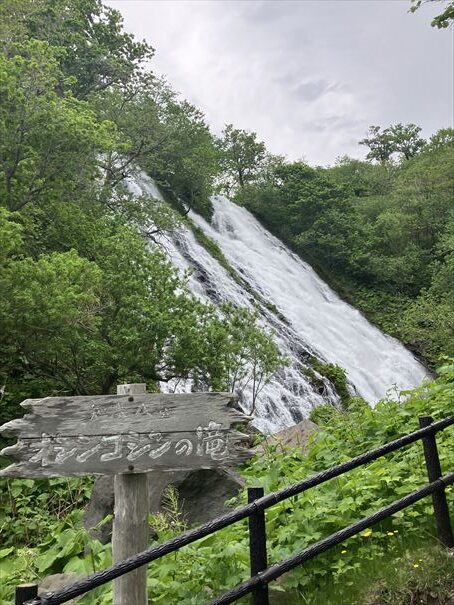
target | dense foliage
[{"x": 51, "y": 540}]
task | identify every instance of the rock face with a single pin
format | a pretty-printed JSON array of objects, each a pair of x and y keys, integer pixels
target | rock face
[
  {"x": 295, "y": 436},
  {"x": 202, "y": 496},
  {"x": 100, "y": 505},
  {"x": 57, "y": 582},
  {"x": 203, "y": 493}
]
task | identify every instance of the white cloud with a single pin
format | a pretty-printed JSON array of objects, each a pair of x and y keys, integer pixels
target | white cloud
[{"x": 309, "y": 77}]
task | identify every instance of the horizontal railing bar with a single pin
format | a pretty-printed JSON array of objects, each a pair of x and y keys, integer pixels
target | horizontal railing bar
[
  {"x": 188, "y": 537},
  {"x": 275, "y": 571}
]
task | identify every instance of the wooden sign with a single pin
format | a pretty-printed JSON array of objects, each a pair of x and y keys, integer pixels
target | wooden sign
[{"x": 115, "y": 434}]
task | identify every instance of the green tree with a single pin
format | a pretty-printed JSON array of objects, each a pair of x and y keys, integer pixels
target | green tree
[
  {"x": 239, "y": 354},
  {"x": 397, "y": 138},
  {"x": 429, "y": 322},
  {"x": 441, "y": 139},
  {"x": 49, "y": 310},
  {"x": 188, "y": 162},
  {"x": 48, "y": 142},
  {"x": 405, "y": 139},
  {"x": 95, "y": 51},
  {"x": 167, "y": 137},
  {"x": 241, "y": 157},
  {"x": 379, "y": 143},
  {"x": 362, "y": 179},
  {"x": 307, "y": 208}
]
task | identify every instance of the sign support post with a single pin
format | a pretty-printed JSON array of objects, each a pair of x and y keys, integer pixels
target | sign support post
[{"x": 130, "y": 525}]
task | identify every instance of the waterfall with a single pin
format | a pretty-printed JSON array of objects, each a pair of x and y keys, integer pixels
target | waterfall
[{"x": 306, "y": 316}]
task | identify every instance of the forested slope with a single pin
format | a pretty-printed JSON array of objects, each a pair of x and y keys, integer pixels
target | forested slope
[{"x": 86, "y": 304}]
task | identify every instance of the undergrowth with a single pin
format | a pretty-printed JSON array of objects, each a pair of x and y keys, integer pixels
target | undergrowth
[
  {"x": 419, "y": 577},
  {"x": 202, "y": 570}
]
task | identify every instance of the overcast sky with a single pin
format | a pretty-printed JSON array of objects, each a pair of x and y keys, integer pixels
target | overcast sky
[{"x": 310, "y": 76}]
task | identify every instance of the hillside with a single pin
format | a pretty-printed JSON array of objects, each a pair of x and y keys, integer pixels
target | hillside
[
  {"x": 380, "y": 233},
  {"x": 321, "y": 292}
]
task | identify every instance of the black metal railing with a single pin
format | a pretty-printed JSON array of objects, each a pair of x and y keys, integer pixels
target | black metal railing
[{"x": 261, "y": 575}]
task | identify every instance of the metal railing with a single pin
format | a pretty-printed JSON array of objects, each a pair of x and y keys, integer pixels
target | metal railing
[{"x": 261, "y": 575}]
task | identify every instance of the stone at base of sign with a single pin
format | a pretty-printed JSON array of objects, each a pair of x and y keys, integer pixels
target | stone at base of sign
[
  {"x": 57, "y": 582},
  {"x": 201, "y": 495}
]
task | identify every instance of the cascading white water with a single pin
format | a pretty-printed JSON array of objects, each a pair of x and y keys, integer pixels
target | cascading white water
[
  {"x": 339, "y": 332},
  {"x": 311, "y": 318}
]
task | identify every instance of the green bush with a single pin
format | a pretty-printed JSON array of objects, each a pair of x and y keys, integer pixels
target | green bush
[
  {"x": 336, "y": 375},
  {"x": 425, "y": 577}
]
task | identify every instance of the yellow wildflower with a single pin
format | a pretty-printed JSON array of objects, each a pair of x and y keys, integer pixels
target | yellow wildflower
[
  {"x": 367, "y": 533},
  {"x": 343, "y": 552},
  {"x": 415, "y": 564}
]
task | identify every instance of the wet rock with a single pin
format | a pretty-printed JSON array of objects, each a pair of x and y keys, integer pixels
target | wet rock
[
  {"x": 101, "y": 505},
  {"x": 295, "y": 436},
  {"x": 57, "y": 582},
  {"x": 202, "y": 495}
]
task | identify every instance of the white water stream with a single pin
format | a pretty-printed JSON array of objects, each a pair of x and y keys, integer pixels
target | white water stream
[{"x": 312, "y": 319}]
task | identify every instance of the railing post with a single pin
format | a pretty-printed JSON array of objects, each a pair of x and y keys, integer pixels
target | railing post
[
  {"x": 257, "y": 546},
  {"x": 25, "y": 592},
  {"x": 440, "y": 503}
]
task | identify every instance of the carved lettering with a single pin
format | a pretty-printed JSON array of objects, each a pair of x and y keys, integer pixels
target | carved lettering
[
  {"x": 162, "y": 449},
  {"x": 119, "y": 413},
  {"x": 63, "y": 454},
  {"x": 110, "y": 434},
  {"x": 84, "y": 456},
  {"x": 142, "y": 411},
  {"x": 137, "y": 449},
  {"x": 165, "y": 413},
  {"x": 95, "y": 412},
  {"x": 46, "y": 451},
  {"x": 212, "y": 442},
  {"x": 117, "y": 453},
  {"x": 184, "y": 447}
]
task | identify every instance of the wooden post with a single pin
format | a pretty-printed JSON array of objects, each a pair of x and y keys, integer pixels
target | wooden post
[
  {"x": 130, "y": 525},
  {"x": 257, "y": 546},
  {"x": 440, "y": 503},
  {"x": 25, "y": 592}
]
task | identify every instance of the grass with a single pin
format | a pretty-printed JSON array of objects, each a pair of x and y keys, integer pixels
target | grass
[
  {"x": 420, "y": 577},
  {"x": 415, "y": 576}
]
